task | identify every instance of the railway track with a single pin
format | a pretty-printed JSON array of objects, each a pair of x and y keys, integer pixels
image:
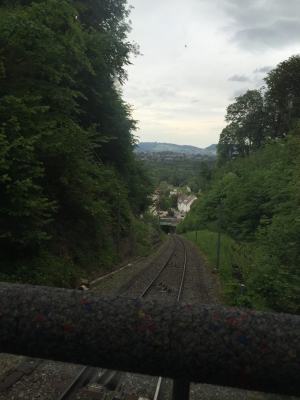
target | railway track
[
  {"x": 169, "y": 279},
  {"x": 92, "y": 383},
  {"x": 107, "y": 384}
]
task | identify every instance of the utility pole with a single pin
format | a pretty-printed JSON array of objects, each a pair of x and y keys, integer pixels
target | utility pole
[
  {"x": 118, "y": 233},
  {"x": 197, "y": 223},
  {"x": 219, "y": 238},
  {"x": 158, "y": 208}
]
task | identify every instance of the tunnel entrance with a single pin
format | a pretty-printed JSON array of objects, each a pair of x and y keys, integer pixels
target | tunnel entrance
[{"x": 168, "y": 224}]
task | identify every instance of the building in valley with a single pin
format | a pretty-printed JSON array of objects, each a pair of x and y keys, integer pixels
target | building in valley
[{"x": 184, "y": 202}]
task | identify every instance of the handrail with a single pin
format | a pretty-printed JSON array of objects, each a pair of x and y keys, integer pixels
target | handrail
[{"x": 201, "y": 343}]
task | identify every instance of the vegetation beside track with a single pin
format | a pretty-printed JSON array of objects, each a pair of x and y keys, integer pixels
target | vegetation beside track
[
  {"x": 67, "y": 140},
  {"x": 47, "y": 269},
  {"x": 267, "y": 288}
]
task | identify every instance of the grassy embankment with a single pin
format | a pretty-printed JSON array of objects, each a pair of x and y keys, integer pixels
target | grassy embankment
[{"x": 232, "y": 252}]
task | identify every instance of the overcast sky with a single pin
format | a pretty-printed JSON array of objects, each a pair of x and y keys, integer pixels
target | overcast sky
[{"x": 198, "y": 55}]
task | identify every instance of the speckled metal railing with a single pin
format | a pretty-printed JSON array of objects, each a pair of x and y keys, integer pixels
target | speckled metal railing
[{"x": 200, "y": 343}]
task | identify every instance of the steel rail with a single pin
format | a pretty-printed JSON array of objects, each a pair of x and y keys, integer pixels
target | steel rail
[
  {"x": 180, "y": 389},
  {"x": 184, "y": 268},
  {"x": 69, "y": 390},
  {"x": 157, "y": 388},
  {"x": 160, "y": 271}
]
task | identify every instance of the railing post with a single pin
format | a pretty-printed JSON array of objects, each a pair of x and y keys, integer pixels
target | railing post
[
  {"x": 242, "y": 290},
  {"x": 181, "y": 389}
]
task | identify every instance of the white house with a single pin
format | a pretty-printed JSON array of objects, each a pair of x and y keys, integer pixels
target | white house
[{"x": 184, "y": 202}]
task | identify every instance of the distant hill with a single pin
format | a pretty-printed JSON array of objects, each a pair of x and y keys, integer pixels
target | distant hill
[
  {"x": 152, "y": 147},
  {"x": 212, "y": 147}
]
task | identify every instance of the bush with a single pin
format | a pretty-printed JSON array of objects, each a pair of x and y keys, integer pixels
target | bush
[{"x": 44, "y": 269}]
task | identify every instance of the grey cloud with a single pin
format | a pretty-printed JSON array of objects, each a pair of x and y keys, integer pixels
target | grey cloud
[
  {"x": 138, "y": 92},
  {"x": 260, "y": 12},
  {"x": 163, "y": 91},
  {"x": 259, "y": 83},
  {"x": 195, "y": 101},
  {"x": 237, "y": 93},
  {"x": 278, "y": 35},
  {"x": 239, "y": 78},
  {"x": 244, "y": 12},
  {"x": 146, "y": 103},
  {"x": 259, "y": 25},
  {"x": 263, "y": 69}
]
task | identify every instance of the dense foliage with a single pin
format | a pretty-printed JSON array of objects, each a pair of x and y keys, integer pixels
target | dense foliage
[
  {"x": 66, "y": 135},
  {"x": 262, "y": 116},
  {"x": 258, "y": 177}
]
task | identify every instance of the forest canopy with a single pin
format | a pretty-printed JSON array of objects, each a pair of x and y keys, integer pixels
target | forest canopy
[{"x": 262, "y": 116}]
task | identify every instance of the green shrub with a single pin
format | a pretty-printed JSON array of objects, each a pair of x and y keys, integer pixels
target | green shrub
[
  {"x": 142, "y": 232},
  {"x": 44, "y": 269},
  {"x": 270, "y": 285}
]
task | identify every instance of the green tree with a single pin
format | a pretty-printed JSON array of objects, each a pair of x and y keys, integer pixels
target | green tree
[
  {"x": 205, "y": 175},
  {"x": 164, "y": 203},
  {"x": 39, "y": 64},
  {"x": 283, "y": 95},
  {"x": 173, "y": 200},
  {"x": 248, "y": 119},
  {"x": 66, "y": 134}
]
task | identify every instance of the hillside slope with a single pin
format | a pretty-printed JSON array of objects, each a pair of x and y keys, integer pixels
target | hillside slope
[{"x": 159, "y": 147}]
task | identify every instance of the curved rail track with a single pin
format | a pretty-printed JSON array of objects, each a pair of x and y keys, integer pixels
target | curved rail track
[
  {"x": 168, "y": 282},
  {"x": 107, "y": 384},
  {"x": 171, "y": 274}
]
